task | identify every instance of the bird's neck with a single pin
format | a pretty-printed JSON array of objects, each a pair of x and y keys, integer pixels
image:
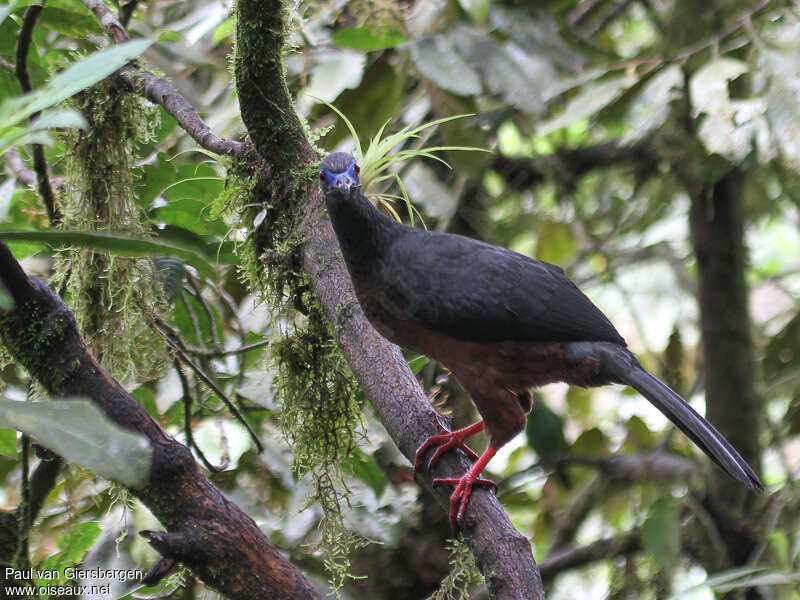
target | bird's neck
[{"x": 364, "y": 232}]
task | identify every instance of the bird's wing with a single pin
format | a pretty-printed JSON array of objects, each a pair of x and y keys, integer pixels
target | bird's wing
[{"x": 474, "y": 291}]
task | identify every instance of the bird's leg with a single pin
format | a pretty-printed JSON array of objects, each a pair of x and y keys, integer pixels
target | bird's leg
[
  {"x": 460, "y": 495},
  {"x": 445, "y": 440}
]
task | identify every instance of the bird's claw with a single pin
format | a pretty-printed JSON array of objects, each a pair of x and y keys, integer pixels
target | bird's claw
[
  {"x": 460, "y": 496},
  {"x": 444, "y": 441}
]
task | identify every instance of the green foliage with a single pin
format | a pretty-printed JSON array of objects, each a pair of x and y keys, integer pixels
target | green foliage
[
  {"x": 118, "y": 244},
  {"x": 379, "y": 156},
  {"x": 77, "y": 77},
  {"x": 366, "y": 39},
  {"x": 660, "y": 533},
  {"x": 82, "y": 434},
  {"x": 72, "y": 546}
]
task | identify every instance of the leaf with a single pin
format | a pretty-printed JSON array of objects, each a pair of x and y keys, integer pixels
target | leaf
[
  {"x": 660, "y": 532},
  {"x": 116, "y": 243},
  {"x": 730, "y": 128},
  {"x": 649, "y": 107},
  {"x": 364, "y": 468},
  {"x": 259, "y": 390},
  {"x": 437, "y": 59},
  {"x": 416, "y": 364},
  {"x": 505, "y": 69},
  {"x": 27, "y": 134},
  {"x": 335, "y": 71},
  {"x": 425, "y": 188},
  {"x": 5, "y": 10},
  {"x": 82, "y": 434},
  {"x": 8, "y": 442},
  {"x": 478, "y": 10},
  {"x": 78, "y": 76},
  {"x": 367, "y": 39},
  {"x": 73, "y": 545},
  {"x": 783, "y": 100},
  {"x": 592, "y": 98}
]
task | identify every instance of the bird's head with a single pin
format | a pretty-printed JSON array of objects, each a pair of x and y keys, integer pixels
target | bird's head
[{"x": 338, "y": 171}]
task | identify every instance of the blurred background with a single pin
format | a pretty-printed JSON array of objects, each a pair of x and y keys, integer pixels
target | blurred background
[{"x": 649, "y": 147}]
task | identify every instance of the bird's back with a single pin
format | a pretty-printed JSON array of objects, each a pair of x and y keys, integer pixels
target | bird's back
[{"x": 473, "y": 291}]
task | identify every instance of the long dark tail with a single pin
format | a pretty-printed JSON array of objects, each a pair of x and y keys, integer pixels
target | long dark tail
[{"x": 619, "y": 365}]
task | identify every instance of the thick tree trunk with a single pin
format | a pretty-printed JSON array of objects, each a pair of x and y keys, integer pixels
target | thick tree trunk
[{"x": 731, "y": 401}]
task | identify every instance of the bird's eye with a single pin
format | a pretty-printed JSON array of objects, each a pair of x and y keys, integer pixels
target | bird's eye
[
  {"x": 356, "y": 169},
  {"x": 321, "y": 176}
]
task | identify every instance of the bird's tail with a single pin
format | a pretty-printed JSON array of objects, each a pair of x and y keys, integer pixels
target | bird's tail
[{"x": 677, "y": 410}]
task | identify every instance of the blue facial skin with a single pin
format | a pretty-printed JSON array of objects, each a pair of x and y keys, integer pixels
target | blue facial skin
[{"x": 343, "y": 181}]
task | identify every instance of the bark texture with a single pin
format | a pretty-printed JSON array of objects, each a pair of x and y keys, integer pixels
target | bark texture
[{"x": 502, "y": 554}]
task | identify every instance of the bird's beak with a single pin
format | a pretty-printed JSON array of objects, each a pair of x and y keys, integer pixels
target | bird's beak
[{"x": 344, "y": 182}]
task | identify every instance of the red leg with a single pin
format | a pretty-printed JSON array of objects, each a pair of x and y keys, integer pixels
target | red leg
[
  {"x": 445, "y": 440},
  {"x": 460, "y": 495}
]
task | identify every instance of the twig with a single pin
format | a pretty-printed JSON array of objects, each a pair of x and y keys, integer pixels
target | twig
[
  {"x": 187, "y": 418},
  {"x": 22, "y": 556},
  {"x": 160, "y": 91},
  {"x": 108, "y": 21},
  {"x": 212, "y": 322},
  {"x": 126, "y": 12},
  {"x": 203, "y": 353},
  {"x": 24, "y": 38},
  {"x": 177, "y": 345},
  {"x": 570, "y": 558},
  {"x": 17, "y": 168}
]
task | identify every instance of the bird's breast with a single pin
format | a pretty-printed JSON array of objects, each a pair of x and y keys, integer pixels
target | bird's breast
[{"x": 513, "y": 364}]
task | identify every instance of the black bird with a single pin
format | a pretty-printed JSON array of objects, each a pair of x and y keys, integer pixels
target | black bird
[{"x": 501, "y": 322}]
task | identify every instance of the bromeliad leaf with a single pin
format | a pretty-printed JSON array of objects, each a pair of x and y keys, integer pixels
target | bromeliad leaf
[{"x": 81, "y": 433}]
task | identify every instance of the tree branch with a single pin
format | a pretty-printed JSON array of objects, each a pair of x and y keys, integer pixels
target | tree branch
[
  {"x": 561, "y": 560},
  {"x": 24, "y": 38},
  {"x": 16, "y": 167},
  {"x": 205, "y": 531},
  {"x": 569, "y": 164},
  {"x": 502, "y": 553},
  {"x": 160, "y": 91}
]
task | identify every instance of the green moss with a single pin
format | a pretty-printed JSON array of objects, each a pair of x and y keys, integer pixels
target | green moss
[
  {"x": 113, "y": 298},
  {"x": 322, "y": 421},
  {"x": 30, "y": 335},
  {"x": 320, "y": 416},
  {"x": 463, "y": 574}
]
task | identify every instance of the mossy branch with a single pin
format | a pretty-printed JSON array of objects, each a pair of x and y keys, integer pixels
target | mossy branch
[
  {"x": 502, "y": 553},
  {"x": 205, "y": 531}
]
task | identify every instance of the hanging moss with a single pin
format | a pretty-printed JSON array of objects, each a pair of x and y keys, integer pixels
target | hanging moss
[
  {"x": 320, "y": 417},
  {"x": 463, "y": 573},
  {"x": 113, "y": 297}
]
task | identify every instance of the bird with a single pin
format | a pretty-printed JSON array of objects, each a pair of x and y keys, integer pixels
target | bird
[{"x": 501, "y": 322}]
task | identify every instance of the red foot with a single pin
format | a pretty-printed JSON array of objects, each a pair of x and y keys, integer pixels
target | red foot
[
  {"x": 460, "y": 495},
  {"x": 445, "y": 440}
]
